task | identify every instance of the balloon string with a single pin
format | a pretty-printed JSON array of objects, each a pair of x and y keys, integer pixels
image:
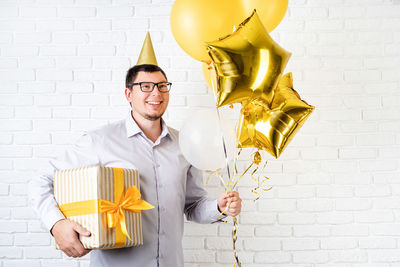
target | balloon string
[
  {"x": 235, "y": 223},
  {"x": 234, "y": 239}
]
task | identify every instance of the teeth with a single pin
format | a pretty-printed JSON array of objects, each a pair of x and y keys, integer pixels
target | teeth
[{"x": 154, "y": 103}]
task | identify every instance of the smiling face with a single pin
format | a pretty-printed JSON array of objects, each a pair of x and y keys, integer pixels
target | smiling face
[{"x": 149, "y": 106}]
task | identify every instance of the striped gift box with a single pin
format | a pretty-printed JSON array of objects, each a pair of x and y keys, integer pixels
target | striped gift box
[{"x": 89, "y": 184}]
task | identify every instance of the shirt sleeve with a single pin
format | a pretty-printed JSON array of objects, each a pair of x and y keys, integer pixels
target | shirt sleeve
[
  {"x": 41, "y": 191},
  {"x": 198, "y": 207}
]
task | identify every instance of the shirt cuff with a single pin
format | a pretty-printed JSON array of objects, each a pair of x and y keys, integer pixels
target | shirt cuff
[
  {"x": 213, "y": 210},
  {"x": 51, "y": 218}
]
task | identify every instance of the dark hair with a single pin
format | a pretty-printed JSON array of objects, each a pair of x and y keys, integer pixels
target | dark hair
[{"x": 133, "y": 72}]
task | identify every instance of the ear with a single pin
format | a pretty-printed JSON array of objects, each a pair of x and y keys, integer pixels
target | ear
[{"x": 128, "y": 95}]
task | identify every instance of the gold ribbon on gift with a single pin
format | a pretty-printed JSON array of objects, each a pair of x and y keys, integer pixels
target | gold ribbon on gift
[{"x": 115, "y": 211}]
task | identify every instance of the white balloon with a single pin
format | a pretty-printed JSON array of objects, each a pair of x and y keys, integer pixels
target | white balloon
[{"x": 201, "y": 140}]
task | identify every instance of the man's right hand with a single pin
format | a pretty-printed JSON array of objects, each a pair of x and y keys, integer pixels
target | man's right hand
[{"x": 66, "y": 233}]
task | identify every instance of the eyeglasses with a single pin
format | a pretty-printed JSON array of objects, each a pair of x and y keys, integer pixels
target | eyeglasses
[{"x": 148, "y": 87}]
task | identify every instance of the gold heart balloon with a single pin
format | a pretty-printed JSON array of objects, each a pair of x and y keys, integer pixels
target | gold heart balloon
[
  {"x": 248, "y": 63},
  {"x": 272, "y": 127}
]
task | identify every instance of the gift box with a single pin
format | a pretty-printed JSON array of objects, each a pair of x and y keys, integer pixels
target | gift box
[{"x": 104, "y": 200}]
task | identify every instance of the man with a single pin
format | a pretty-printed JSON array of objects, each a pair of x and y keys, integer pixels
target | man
[{"x": 167, "y": 181}]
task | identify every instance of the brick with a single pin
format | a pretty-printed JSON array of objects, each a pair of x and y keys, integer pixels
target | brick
[
  {"x": 311, "y": 230},
  {"x": 6, "y": 240},
  {"x": 333, "y": 191},
  {"x": 70, "y": 38},
  {"x": 16, "y": 100},
  {"x": 272, "y": 257},
  {"x": 330, "y": 49},
  {"x": 372, "y": 216},
  {"x": 348, "y": 256},
  {"x": 15, "y": 151},
  {"x": 50, "y": 125},
  {"x": 273, "y": 231},
  {"x": 314, "y": 178},
  {"x": 54, "y": 75},
  {"x": 315, "y": 205},
  {"x": 319, "y": 153},
  {"x": 20, "y": 190},
  {"x": 300, "y": 244},
  {"x": 353, "y": 178},
  {"x": 87, "y": 76},
  {"x": 96, "y": 50},
  {"x": 115, "y": 12},
  {"x": 341, "y": 115},
  {"x": 384, "y": 255},
  {"x": 390, "y": 101},
  {"x": 54, "y": 25},
  {"x": 345, "y": 12},
  {"x": 296, "y": 218},
  {"x": 17, "y": 75},
  {"x": 16, "y": 125},
  {"x": 10, "y": 25},
  {"x": 199, "y": 256},
  {"x": 76, "y": 12},
  {"x": 37, "y": 12},
  {"x": 49, "y": 100},
  {"x": 81, "y": 125},
  {"x": 257, "y": 218},
  {"x": 30, "y": 164},
  {"x": 389, "y": 153},
  {"x": 381, "y": 139},
  {"x": 225, "y": 243},
  {"x": 74, "y": 62},
  {"x": 59, "y": 50},
  {"x": 352, "y": 204},
  {"x": 335, "y": 218},
  {"x": 360, "y": 153},
  {"x": 112, "y": 113},
  {"x": 93, "y": 25},
  {"x": 324, "y": 25},
  {"x": 32, "y": 38},
  {"x": 350, "y": 230},
  {"x": 261, "y": 244},
  {"x": 276, "y": 205},
  {"x": 19, "y": 263},
  {"x": 372, "y": 191},
  {"x": 381, "y": 88},
  {"x": 36, "y": 87},
  {"x": 90, "y": 100},
  {"x": 193, "y": 242},
  {"x": 359, "y": 127},
  {"x": 8, "y": 63},
  {"x": 36, "y": 63},
  {"x": 42, "y": 253},
  {"x": 12, "y": 227},
  {"x": 296, "y": 192},
  {"x": 10, "y": 253},
  {"x": 74, "y": 87},
  {"x": 6, "y": 138},
  {"x": 63, "y": 263},
  {"x": 387, "y": 114},
  {"x": 6, "y": 112},
  {"x": 363, "y": 75},
  {"x": 6, "y": 164},
  {"x": 32, "y": 112},
  {"x": 36, "y": 239},
  {"x": 297, "y": 167}
]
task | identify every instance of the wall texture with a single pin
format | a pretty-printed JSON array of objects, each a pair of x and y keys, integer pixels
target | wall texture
[{"x": 335, "y": 198}]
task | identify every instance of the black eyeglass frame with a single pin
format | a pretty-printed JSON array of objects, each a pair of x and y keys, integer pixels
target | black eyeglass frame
[{"x": 168, "y": 84}]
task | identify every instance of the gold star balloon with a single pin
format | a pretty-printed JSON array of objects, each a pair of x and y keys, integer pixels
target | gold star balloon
[
  {"x": 248, "y": 63},
  {"x": 272, "y": 127}
]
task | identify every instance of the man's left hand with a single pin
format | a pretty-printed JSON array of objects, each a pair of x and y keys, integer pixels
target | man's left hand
[{"x": 230, "y": 203}]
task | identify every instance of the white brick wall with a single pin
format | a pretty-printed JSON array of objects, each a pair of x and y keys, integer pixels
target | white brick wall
[{"x": 335, "y": 198}]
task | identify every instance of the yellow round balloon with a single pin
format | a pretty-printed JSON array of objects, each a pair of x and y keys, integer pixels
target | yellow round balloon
[
  {"x": 271, "y": 12},
  {"x": 194, "y": 22}
]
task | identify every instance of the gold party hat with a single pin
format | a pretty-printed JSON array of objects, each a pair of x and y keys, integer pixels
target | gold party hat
[{"x": 147, "y": 55}]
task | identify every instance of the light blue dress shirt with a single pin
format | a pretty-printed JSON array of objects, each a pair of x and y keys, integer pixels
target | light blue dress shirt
[{"x": 167, "y": 181}]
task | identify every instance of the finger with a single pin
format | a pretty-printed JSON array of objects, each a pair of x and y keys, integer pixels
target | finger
[{"x": 81, "y": 230}]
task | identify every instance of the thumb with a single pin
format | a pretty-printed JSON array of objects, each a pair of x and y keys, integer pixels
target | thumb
[{"x": 81, "y": 230}]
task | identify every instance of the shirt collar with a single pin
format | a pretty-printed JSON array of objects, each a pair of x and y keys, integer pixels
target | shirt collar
[{"x": 132, "y": 128}]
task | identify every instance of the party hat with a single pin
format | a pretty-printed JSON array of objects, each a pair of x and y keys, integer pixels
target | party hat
[{"x": 147, "y": 55}]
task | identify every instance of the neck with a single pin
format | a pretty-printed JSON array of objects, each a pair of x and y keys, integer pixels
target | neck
[{"x": 152, "y": 129}]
